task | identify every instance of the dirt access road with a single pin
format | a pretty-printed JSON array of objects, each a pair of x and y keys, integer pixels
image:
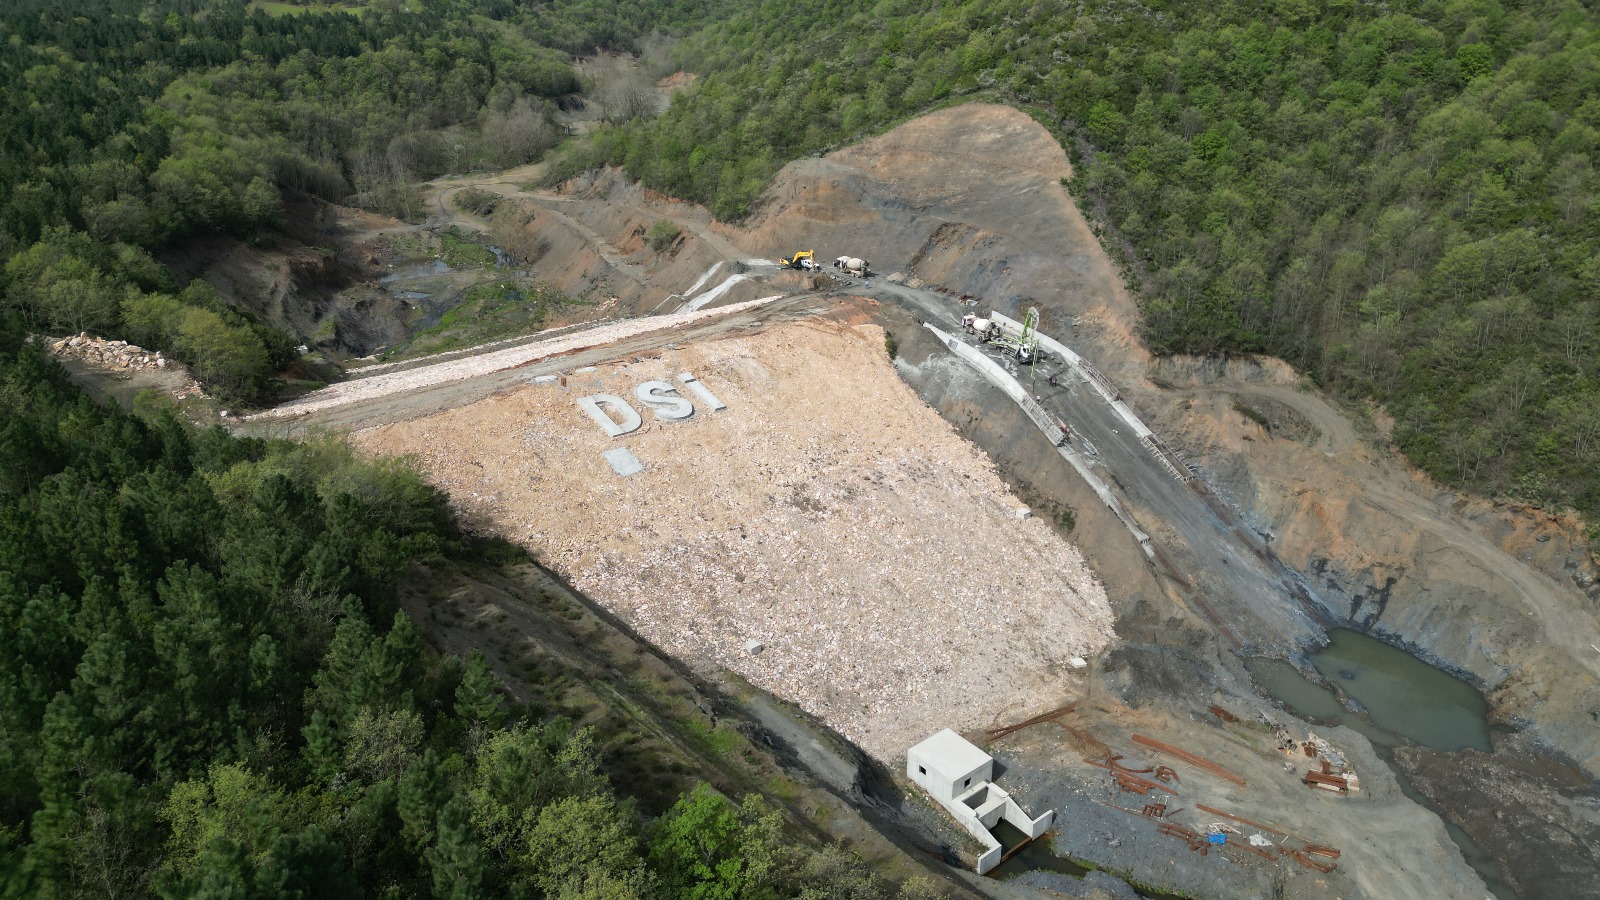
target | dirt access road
[{"x": 401, "y": 400}]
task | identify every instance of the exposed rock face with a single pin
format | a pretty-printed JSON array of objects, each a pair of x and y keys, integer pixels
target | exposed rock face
[{"x": 967, "y": 200}]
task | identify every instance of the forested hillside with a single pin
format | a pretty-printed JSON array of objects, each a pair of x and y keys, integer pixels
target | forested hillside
[
  {"x": 207, "y": 689},
  {"x": 127, "y": 126},
  {"x": 1400, "y": 198}
]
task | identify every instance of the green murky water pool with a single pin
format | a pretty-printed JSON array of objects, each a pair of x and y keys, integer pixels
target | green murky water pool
[{"x": 1405, "y": 700}]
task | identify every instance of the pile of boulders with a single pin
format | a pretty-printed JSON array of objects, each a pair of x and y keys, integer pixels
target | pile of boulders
[{"x": 109, "y": 354}]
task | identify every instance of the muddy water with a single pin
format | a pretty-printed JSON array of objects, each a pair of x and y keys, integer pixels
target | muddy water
[
  {"x": 1404, "y": 695},
  {"x": 1034, "y": 857},
  {"x": 1405, "y": 699},
  {"x": 417, "y": 270}
]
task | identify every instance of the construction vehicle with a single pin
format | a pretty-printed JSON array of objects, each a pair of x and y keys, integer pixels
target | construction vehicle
[
  {"x": 985, "y": 329},
  {"x": 854, "y": 265},
  {"x": 1024, "y": 344},
  {"x": 802, "y": 259}
]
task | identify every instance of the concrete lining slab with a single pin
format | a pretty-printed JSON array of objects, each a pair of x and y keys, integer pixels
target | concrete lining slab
[{"x": 623, "y": 462}]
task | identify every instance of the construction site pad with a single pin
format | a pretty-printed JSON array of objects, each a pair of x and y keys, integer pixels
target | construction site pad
[{"x": 809, "y": 504}]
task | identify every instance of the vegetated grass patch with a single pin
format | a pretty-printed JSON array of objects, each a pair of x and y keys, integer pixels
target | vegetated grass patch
[
  {"x": 491, "y": 310},
  {"x": 721, "y": 741},
  {"x": 460, "y": 251},
  {"x": 1253, "y": 414},
  {"x": 476, "y": 202},
  {"x": 412, "y": 244},
  {"x": 663, "y": 234}
]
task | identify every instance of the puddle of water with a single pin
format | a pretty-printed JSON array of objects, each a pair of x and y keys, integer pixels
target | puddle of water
[
  {"x": 1403, "y": 694},
  {"x": 420, "y": 270},
  {"x": 1406, "y": 700}
]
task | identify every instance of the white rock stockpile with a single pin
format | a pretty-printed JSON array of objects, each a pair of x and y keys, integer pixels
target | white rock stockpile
[{"x": 108, "y": 354}]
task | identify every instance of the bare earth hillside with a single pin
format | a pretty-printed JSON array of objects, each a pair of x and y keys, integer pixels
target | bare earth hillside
[{"x": 969, "y": 199}]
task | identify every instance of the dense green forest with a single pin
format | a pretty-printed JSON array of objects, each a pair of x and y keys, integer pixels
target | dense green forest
[
  {"x": 129, "y": 125},
  {"x": 207, "y": 689},
  {"x": 1400, "y": 198}
]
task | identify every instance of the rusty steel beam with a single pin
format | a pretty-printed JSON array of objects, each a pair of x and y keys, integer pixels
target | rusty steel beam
[
  {"x": 1193, "y": 759},
  {"x": 1132, "y": 778},
  {"x": 1008, "y": 730}
]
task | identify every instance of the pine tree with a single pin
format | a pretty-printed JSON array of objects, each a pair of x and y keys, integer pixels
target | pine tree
[
  {"x": 478, "y": 703},
  {"x": 321, "y": 753},
  {"x": 344, "y": 681},
  {"x": 423, "y": 791},
  {"x": 459, "y": 866}
]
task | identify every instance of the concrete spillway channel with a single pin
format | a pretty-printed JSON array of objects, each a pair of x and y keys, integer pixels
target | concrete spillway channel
[{"x": 1227, "y": 573}]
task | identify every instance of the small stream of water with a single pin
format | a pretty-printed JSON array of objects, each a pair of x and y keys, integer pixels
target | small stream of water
[{"x": 1405, "y": 700}]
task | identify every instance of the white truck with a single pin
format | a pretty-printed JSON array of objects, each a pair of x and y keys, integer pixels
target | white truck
[
  {"x": 853, "y": 265},
  {"x": 1023, "y": 344}
]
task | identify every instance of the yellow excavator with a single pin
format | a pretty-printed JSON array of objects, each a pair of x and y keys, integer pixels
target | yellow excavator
[{"x": 802, "y": 259}]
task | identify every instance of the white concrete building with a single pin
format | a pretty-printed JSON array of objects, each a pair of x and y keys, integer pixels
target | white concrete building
[{"x": 957, "y": 775}]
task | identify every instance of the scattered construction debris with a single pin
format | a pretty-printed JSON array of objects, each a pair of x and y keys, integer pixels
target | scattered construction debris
[
  {"x": 1197, "y": 842},
  {"x": 1302, "y": 854},
  {"x": 1198, "y": 762},
  {"x": 1224, "y": 715},
  {"x": 1128, "y": 779},
  {"x": 1336, "y": 775}
]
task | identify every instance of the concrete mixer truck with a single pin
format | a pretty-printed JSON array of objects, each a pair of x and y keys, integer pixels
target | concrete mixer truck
[{"x": 853, "y": 265}]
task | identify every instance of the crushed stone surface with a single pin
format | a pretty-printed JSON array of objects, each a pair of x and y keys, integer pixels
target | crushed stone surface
[{"x": 826, "y": 513}]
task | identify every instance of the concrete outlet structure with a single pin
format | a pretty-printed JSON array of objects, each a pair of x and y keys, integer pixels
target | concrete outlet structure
[{"x": 957, "y": 774}]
